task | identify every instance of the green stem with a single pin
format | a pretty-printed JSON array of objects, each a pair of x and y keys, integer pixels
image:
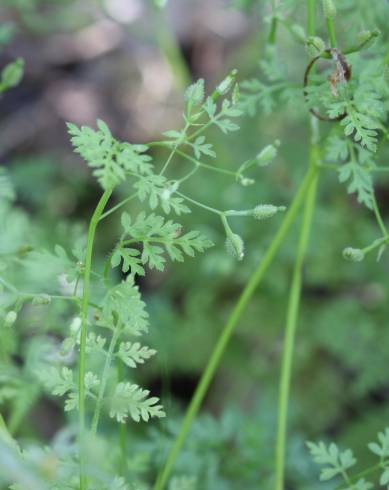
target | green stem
[
  {"x": 119, "y": 205},
  {"x": 205, "y": 165},
  {"x": 170, "y": 50},
  {"x": 104, "y": 379},
  {"x": 122, "y": 432},
  {"x": 229, "y": 328},
  {"x": 311, "y": 23},
  {"x": 378, "y": 216},
  {"x": 291, "y": 324},
  {"x": 331, "y": 31},
  {"x": 199, "y": 204},
  {"x": 84, "y": 320}
]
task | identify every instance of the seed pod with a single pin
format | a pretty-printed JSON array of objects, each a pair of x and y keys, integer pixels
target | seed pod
[
  {"x": 315, "y": 46},
  {"x": 235, "y": 246},
  {"x": 41, "y": 299},
  {"x": 353, "y": 254},
  {"x": 265, "y": 211},
  {"x": 10, "y": 318}
]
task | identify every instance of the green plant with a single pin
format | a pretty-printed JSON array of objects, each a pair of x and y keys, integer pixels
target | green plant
[
  {"x": 360, "y": 122},
  {"x": 339, "y": 463},
  {"x": 88, "y": 367}
]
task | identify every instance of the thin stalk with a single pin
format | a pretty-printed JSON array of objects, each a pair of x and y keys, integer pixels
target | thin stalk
[
  {"x": 378, "y": 216},
  {"x": 25, "y": 295},
  {"x": 170, "y": 50},
  {"x": 311, "y": 18},
  {"x": 118, "y": 206},
  {"x": 291, "y": 324},
  {"x": 122, "y": 432},
  {"x": 228, "y": 329},
  {"x": 104, "y": 379},
  {"x": 199, "y": 204},
  {"x": 84, "y": 319},
  {"x": 295, "y": 290},
  {"x": 331, "y": 31},
  {"x": 205, "y": 165}
]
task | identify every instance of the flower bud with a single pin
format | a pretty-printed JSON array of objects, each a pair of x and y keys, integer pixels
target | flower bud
[
  {"x": 41, "y": 299},
  {"x": 226, "y": 84},
  {"x": 353, "y": 254},
  {"x": 235, "y": 246},
  {"x": 268, "y": 154},
  {"x": 298, "y": 32},
  {"x": 245, "y": 181},
  {"x": 315, "y": 46},
  {"x": 10, "y": 318},
  {"x": 329, "y": 8},
  {"x": 265, "y": 211},
  {"x": 367, "y": 38}
]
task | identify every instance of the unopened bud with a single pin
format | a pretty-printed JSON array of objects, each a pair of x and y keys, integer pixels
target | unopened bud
[
  {"x": 41, "y": 299},
  {"x": 226, "y": 84},
  {"x": 10, "y": 318},
  {"x": 268, "y": 154},
  {"x": 329, "y": 8},
  {"x": 353, "y": 254},
  {"x": 315, "y": 46},
  {"x": 298, "y": 32},
  {"x": 367, "y": 38},
  {"x": 245, "y": 181},
  {"x": 265, "y": 211},
  {"x": 235, "y": 246}
]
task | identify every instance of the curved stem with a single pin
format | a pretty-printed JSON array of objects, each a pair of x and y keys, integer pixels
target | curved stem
[
  {"x": 291, "y": 324},
  {"x": 229, "y": 328},
  {"x": 84, "y": 318}
]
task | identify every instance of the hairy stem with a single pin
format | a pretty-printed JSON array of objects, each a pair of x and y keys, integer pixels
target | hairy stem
[
  {"x": 84, "y": 319},
  {"x": 229, "y": 328},
  {"x": 291, "y": 324}
]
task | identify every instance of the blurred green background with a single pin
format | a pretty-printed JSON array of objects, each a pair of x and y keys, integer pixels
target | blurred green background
[{"x": 127, "y": 62}]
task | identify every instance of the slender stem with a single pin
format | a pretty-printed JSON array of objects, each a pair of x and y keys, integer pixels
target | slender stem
[
  {"x": 291, "y": 324},
  {"x": 331, "y": 31},
  {"x": 199, "y": 204},
  {"x": 122, "y": 431},
  {"x": 378, "y": 216},
  {"x": 170, "y": 50},
  {"x": 205, "y": 165},
  {"x": 84, "y": 320},
  {"x": 311, "y": 23},
  {"x": 169, "y": 159},
  {"x": 272, "y": 37},
  {"x": 119, "y": 205},
  {"x": 376, "y": 244},
  {"x": 104, "y": 379},
  {"x": 229, "y": 327},
  {"x": 25, "y": 295}
]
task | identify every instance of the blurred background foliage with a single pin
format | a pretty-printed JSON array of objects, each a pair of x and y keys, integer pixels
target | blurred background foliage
[{"x": 127, "y": 62}]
